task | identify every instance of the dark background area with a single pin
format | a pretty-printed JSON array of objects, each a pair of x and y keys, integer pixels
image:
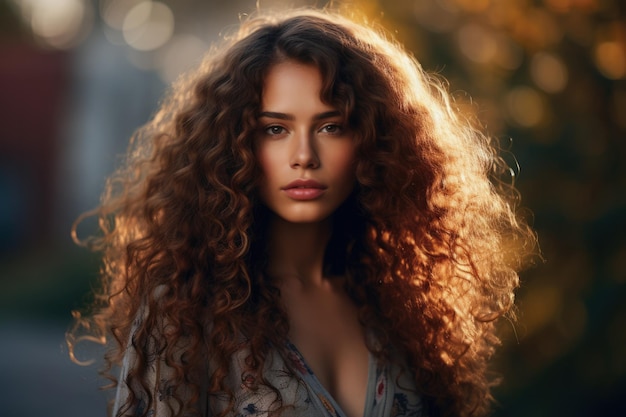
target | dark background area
[{"x": 546, "y": 77}]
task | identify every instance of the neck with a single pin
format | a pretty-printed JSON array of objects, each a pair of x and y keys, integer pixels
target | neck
[{"x": 296, "y": 250}]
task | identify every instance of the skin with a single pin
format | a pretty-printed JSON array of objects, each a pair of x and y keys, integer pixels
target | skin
[{"x": 304, "y": 138}]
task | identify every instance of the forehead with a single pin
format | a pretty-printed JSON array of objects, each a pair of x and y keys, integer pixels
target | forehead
[{"x": 289, "y": 83}]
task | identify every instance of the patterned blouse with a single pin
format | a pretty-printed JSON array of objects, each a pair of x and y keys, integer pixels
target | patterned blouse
[{"x": 390, "y": 391}]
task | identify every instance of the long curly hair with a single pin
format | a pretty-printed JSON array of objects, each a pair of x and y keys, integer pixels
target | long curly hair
[{"x": 430, "y": 241}]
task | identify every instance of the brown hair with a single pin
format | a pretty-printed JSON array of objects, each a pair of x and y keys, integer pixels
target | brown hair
[{"x": 429, "y": 241}]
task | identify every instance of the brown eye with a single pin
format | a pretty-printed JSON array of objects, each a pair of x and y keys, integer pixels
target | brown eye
[
  {"x": 331, "y": 128},
  {"x": 275, "y": 130}
]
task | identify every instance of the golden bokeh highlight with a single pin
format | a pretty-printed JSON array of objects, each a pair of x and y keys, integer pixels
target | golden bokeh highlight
[
  {"x": 525, "y": 106},
  {"x": 610, "y": 58},
  {"x": 549, "y": 72},
  {"x": 477, "y": 43}
]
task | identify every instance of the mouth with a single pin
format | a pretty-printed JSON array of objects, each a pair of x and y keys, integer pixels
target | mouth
[
  {"x": 304, "y": 184},
  {"x": 303, "y": 190}
]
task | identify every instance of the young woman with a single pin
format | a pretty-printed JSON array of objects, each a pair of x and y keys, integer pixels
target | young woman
[{"x": 306, "y": 228}]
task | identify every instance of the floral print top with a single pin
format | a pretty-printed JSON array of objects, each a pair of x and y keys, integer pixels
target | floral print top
[{"x": 390, "y": 391}]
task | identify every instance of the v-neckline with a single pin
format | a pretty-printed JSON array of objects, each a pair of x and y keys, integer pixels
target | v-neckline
[{"x": 309, "y": 377}]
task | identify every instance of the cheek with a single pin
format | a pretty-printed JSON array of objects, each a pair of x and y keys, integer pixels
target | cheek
[
  {"x": 266, "y": 162},
  {"x": 270, "y": 176},
  {"x": 344, "y": 163}
]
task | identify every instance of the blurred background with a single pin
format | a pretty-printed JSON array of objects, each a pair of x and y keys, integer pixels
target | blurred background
[{"x": 547, "y": 78}]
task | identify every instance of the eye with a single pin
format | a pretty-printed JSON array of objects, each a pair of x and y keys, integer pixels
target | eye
[
  {"x": 331, "y": 128},
  {"x": 275, "y": 130}
]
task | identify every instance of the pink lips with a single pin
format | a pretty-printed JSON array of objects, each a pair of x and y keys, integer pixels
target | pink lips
[{"x": 302, "y": 189}]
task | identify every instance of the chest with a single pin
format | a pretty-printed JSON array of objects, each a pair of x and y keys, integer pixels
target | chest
[{"x": 325, "y": 328}]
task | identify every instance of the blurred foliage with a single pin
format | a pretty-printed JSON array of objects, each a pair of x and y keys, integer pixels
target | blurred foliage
[{"x": 548, "y": 79}]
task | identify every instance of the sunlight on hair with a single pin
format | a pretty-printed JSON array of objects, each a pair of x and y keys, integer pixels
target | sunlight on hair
[{"x": 73, "y": 339}]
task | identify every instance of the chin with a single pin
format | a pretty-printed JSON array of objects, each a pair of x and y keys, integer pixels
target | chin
[{"x": 304, "y": 218}]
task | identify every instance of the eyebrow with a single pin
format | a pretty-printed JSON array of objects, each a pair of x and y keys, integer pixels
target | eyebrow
[{"x": 285, "y": 116}]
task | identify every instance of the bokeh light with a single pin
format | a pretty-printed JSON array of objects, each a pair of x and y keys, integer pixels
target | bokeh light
[
  {"x": 148, "y": 25},
  {"x": 60, "y": 24},
  {"x": 525, "y": 106},
  {"x": 549, "y": 72},
  {"x": 610, "y": 58},
  {"x": 477, "y": 43}
]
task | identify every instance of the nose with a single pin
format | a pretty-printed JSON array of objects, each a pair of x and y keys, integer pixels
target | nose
[{"x": 304, "y": 154}]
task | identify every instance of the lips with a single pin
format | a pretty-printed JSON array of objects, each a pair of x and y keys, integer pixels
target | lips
[{"x": 302, "y": 189}]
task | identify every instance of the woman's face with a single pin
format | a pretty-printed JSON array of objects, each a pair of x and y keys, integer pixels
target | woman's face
[{"x": 304, "y": 149}]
